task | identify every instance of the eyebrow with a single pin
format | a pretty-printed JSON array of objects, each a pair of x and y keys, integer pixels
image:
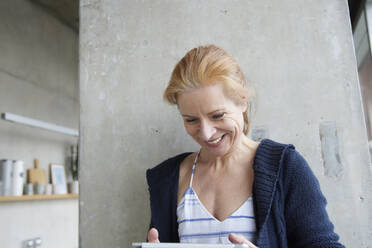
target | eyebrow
[{"x": 210, "y": 113}]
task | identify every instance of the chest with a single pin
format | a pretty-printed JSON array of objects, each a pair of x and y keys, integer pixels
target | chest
[
  {"x": 197, "y": 225},
  {"x": 222, "y": 195}
]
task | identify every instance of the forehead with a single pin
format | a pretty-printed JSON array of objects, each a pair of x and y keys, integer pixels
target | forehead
[{"x": 205, "y": 99}]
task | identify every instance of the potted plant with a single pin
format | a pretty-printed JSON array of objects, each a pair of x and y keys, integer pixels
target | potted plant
[{"x": 74, "y": 167}]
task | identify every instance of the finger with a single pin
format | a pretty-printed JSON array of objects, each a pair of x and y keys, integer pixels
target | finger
[
  {"x": 236, "y": 239},
  {"x": 240, "y": 239},
  {"x": 153, "y": 236}
]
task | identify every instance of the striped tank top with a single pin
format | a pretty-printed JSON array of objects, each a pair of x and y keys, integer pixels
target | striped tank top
[{"x": 197, "y": 225}]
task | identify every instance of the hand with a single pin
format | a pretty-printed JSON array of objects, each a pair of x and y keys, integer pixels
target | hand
[
  {"x": 239, "y": 239},
  {"x": 153, "y": 236}
]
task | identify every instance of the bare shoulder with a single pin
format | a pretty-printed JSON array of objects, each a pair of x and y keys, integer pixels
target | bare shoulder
[
  {"x": 252, "y": 144},
  {"x": 186, "y": 166},
  {"x": 185, "y": 174},
  {"x": 250, "y": 148}
]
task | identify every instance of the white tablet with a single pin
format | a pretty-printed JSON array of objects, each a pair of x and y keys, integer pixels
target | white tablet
[{"x": 186, "y": 245}]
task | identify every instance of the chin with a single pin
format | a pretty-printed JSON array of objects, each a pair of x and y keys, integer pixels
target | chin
[{"x": 216, "y": 152}]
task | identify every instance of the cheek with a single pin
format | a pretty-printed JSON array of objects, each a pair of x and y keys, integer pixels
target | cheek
[
  {"x": 235, "y": 123},
  {"x": 191, "y": 130}
]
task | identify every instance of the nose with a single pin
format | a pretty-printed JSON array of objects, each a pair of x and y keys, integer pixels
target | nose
[{"x": 207, "y": 130}]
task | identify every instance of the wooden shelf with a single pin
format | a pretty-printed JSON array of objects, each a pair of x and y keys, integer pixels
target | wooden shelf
[{"x": 37, "y": 197}]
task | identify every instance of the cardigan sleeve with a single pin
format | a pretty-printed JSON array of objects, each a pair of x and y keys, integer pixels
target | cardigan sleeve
[
  {"x": 307, "y": 221},
  {"x": 163, "y": 187},
  {"x": 162, "y": 204}
]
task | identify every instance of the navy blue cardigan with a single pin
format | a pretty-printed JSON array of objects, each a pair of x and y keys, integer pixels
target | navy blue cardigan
[{"x": 289, "y": 206}]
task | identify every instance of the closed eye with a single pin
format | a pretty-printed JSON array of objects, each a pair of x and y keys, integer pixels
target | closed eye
[
  {"x": 190, "y": 120},
  {"x": 218, "y": 116}
]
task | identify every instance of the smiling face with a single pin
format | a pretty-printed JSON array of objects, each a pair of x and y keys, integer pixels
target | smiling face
[{"x": 211, "y": 119}]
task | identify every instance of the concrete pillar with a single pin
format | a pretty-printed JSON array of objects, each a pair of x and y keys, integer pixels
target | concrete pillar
[{"x": 297, "y": 54}]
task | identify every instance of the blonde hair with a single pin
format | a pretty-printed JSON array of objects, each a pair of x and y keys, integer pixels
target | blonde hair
[{"x": 208, "y": 65}]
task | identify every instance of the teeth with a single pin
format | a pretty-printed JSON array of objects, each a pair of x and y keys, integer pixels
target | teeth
[{"x": 215, "y": 141}]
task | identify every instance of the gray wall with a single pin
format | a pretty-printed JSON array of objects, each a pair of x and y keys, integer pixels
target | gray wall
[
  {"x": 38, "y": 79},
  {"x": 299, "y": 56}
]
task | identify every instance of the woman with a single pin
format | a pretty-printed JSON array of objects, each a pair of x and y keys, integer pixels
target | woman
[{"x": 234, "y": 189}]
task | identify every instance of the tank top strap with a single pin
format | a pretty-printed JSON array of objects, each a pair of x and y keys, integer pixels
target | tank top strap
[{"x": 193, "y": 168}]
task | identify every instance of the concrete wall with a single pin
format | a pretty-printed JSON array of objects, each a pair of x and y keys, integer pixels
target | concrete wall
[
  {"x": 38, "y": 79},
  {"x": 299, "y": 56}
]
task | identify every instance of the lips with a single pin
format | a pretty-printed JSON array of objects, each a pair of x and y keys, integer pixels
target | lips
[{"x": 215, "y": 142}]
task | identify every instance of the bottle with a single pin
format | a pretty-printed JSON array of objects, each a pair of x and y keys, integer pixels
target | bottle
[
  {"x": 6, "y": 169},
  {"x": 18, "y": 177}
]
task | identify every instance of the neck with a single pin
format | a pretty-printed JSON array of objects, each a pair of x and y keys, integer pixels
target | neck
[{"x": 243, "y": 148}]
